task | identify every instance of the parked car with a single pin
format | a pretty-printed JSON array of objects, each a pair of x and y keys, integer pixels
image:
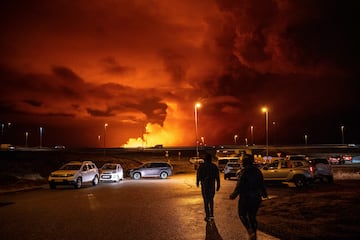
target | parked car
[
  {"x": 222, "y": 161},
  {"x": 296, "y": 171},
  {"x": 75, "y": 173},
  {"x": 356, "y": 159},
  {"x": 321, "y": 169},
  {"x": 347, "y": 159},
  {"x": 152, "y": 169},
  {"x": 111, "y": 172},
  {"x": 335, "y": 159},
  {"x": 231, "y": 169}
]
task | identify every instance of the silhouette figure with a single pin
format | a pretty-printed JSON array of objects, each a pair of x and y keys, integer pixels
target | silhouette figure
[
  {"x": 250, "y": 187},
  {"x": 207, "y": 175}
]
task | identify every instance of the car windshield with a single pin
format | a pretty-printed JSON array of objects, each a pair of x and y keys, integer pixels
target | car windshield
[
  {"x": 71, "y": 167},
  {"x": 109, "y": 167}
]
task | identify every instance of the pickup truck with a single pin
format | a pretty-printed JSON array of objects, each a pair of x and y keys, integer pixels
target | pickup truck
[{"x": 296, "y": 171}]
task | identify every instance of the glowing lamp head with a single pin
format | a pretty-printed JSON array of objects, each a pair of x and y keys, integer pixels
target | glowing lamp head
[
  {"x": 197, "y": 105},
  {"x": 264, "y": 110}
]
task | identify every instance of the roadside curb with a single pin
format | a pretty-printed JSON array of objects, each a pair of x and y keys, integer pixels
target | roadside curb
[{"x": 23, "y": 189}]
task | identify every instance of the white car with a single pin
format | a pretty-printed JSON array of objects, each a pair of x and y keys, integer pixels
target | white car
[
  {"x": 231, "y": 169},
  {"x": 111, "y": 172},
  {"x": 75, "y": 173}
]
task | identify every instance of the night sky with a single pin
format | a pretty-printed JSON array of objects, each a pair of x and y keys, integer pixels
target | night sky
[{"x": 140, "y": 66}]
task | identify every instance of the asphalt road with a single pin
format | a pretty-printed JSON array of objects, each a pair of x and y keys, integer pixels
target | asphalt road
[{"x": 144, "y": 209}]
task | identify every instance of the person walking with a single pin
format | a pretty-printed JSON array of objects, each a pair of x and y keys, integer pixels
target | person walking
[
  {"x": 207, "y": 175},
  {"x": 250, "y": 188}
]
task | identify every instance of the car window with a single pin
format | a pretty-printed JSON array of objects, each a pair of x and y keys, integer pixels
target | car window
[
  {"x": 71, "y": 167},
  {"x": 298, "y": 164},
  {"x": 286, "y": 164},
  {"x": 274, "y": 164}
]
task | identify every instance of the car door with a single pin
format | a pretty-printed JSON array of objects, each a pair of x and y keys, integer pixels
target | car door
[
  {"x": 154, "y": 169},
  {"x": 86, "y": 173},
  {"x": 269, "y": 171},
  {"x": 285, "y": 168}
]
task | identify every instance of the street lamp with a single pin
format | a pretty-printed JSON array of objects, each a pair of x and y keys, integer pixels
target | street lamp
[
  {"x": 235, "y": 137},
  {"x": 252, "y": 134},
  {"x": 41, "y": 133},
  {"x": 265, "y": 110},
  {"x": 197, "y": 105},
  {"x": 306, "y": 138},
  {"x": 105, "y": 126},
  {"x": 342, "y": 135}
]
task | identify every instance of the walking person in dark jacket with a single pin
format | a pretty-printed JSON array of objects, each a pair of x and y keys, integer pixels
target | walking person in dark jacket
[
  {"x": 250, "y": 187},
  {"x": 207, "y": 174}
]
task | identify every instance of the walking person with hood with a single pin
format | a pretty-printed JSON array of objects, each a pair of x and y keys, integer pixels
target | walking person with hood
[
  {"x": 207, "y": 175},
  {"x": 250, "y": 188}
]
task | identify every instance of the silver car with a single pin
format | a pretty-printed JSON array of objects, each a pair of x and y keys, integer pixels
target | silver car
[
  {"x": 111, "y": 172},
  {"x": 152, "y": 169},
  {"x": 75, "y": 173}
]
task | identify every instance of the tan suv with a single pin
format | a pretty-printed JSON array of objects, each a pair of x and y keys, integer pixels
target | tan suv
[
  {"x": 296, "y": 171},
  {"x": 75, "y": 173}
]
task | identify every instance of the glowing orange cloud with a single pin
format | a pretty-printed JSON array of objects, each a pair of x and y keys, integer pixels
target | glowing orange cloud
[{"x": 173, "y": 132}]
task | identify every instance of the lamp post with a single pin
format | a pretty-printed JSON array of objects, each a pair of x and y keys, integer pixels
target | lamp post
[
  {"x": 265, "y": 110},
  {"x": 105, "y": 126},
  {"x": 306, "y": 138},
  {"x": 235, "y": 138},
  {"x": 342, "y": 134},
  {"x": 99, "y": 140},
  {"x": 41, "y": 134},
  {"x": 26, "y": 138},
  {"x": 252, "y": 134},
  {"x": 274, "y": 132},
  {"x": 197, "y": 105}
]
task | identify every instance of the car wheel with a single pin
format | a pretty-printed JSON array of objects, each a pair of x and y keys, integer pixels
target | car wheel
[
  {"x": 299, "y": 181},
  {"x": 78, "y": 183},
  {"x": 52, "y": 185},
  {"x": 95, "y": 181},
  {"x": 163, "y": 175},
  {"x": 136, "y": 176}
]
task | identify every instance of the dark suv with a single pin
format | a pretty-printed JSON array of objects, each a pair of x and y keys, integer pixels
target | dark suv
[{"x": 152, "y": 169}]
